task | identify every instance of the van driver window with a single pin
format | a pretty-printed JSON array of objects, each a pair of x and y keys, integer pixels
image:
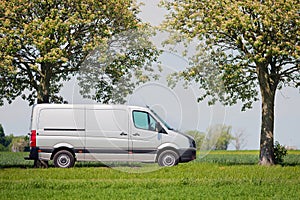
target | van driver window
[{"x": 143, "y": 120}]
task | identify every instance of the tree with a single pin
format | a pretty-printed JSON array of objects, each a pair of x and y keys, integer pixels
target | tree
[
  {"x": 18, "y": 144},
  {"x": 239, "y": 139},
  {"x": 244, "y": 47},
  {"x": 218, "y": 137},
  {"x": 45, "y": 42},
  {"x": 2, "y": 134},
  {"x": 4, "y": 140}
]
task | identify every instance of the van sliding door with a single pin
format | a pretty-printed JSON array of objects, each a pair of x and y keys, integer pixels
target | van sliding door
[{"x": 106, "y": 135}]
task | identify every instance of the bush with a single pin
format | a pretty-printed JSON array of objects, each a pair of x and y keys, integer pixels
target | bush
[
  {"x": 3, "y": 148},
  {"x": 279, "y": 152}
]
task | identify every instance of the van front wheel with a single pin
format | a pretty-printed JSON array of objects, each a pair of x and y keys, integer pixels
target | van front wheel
[
  {"x": 168, "y": 158},
  {"x": 63, "y": 159}
]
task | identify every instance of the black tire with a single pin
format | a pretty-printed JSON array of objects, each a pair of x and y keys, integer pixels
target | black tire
[
  {"x": 64, "y": 159},
  {"x": 168, "y": 158}
]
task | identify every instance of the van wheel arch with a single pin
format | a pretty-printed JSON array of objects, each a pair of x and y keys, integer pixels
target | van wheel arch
[{"x": 62, "y": 148}]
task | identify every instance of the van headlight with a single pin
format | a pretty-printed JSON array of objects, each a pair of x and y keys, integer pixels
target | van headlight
[{"x": 192, "y": 143}]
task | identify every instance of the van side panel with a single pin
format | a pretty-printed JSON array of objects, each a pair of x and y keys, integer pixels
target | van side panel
[
  {"x": 107, "y": 135},
  {"x": 61, "y": 118},
  {"x": 60, "y": 127}
]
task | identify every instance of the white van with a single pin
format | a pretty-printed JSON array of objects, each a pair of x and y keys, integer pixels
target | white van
[{"x": 67, "y": 133}]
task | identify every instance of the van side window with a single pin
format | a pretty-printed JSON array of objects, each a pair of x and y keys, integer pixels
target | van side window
[{"x": 143, "y": 120}]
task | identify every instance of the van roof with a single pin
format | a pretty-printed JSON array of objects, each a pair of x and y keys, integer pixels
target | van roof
[{"x": 116, "y": 106}]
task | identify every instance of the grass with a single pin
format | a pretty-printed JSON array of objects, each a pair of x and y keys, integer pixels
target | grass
[
  {"x": 205, "y": 178},
  {"x": 10, "y": 159}
]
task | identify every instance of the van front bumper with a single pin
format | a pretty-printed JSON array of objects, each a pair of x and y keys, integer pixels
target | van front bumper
[{"x": 187, "y": 155}]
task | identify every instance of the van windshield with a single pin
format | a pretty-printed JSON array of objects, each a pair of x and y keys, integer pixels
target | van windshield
[{"x": 160, "y": 119}]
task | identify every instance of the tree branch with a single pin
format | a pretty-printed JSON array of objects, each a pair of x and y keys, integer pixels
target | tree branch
[{"x": 291, "y": 70}]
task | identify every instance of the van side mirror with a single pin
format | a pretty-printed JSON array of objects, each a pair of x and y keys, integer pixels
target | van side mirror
[{"x": 159, "y": 128}]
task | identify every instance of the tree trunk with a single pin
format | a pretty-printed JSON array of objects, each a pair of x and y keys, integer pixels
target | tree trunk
[
  {"x": 43, "y": 98},
  {"x": 266, "y": 156},
  {"x": 267, "y": 89},
  {"x": 43, "y": 91}
]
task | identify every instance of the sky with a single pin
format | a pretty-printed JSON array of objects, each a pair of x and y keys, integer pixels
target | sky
[{"x": 179, "y": 105}]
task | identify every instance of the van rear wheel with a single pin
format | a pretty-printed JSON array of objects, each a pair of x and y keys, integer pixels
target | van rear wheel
[
  {"x": 63, "y": 159},
  {"x": 168, "y": 158}
]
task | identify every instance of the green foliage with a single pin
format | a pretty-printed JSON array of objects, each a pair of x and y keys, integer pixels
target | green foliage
[
  {"x": 2, "y": 135},
  {"x": 45, "y": 42},
  {"x": 3, "y": 148},
  {"x": 224, "y": 140},
  {"x": 279, "y": 152},
  {"x": 19, "y": 144},
  {"x": 217, "y": 137},
  {"x": 107, "y": 73},
  {"x": 4, "y": 140},
  {"x": 8, "y": 143},
  {"x": 235, "y": 40},
  {"x": 186, "y": 181}
]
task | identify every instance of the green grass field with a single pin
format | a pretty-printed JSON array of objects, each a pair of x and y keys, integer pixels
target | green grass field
[{"x": 218, "y": 175}]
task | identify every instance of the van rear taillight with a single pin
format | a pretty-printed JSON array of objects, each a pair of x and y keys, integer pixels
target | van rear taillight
[{"x": 33, "y": 138}]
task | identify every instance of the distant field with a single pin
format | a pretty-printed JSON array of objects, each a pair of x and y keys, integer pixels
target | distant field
[
  {"x": 243, "y": 157},
  {"x": 218, "y": 175}
]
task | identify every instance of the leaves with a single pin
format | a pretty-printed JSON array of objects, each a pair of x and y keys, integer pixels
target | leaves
[
  {"x": 238, "y": 38},
  {"x": 44, "y": 42},
  {"x": 107, "y": 75}
]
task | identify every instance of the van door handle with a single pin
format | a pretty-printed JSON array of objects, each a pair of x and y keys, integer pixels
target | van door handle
[
  {"x": 136, "y": 134},
  {"x": 123, "y": 134}
]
